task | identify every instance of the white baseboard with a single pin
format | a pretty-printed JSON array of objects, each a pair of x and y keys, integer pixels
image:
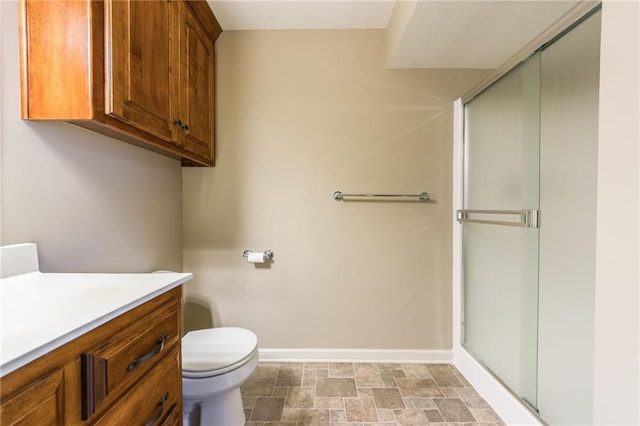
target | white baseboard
[{"x": 408, "y": 356}]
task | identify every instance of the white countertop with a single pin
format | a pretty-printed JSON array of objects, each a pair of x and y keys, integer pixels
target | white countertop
[{"x": 40, "y": 312}]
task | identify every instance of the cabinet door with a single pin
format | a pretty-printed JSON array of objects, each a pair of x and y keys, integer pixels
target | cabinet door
[
  {"x": 138, "y": 53},
  {"x": 196, "y": 84},
  {"x": 39, "y": 403}
]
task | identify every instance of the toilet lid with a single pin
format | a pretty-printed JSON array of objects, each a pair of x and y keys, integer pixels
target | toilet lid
[{"x": 215, "y": 351}]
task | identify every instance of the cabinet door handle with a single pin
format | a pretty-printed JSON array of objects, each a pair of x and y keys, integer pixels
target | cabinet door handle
[
  {"x": 177, "y": 122},
  {"x": 158, "y": 414},
  {"x": 151, "y": 354},
  {"x": 185, "y": 127}
]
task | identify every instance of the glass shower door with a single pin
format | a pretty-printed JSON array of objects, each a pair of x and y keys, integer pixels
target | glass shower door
[{"x": 500, "y": 228}]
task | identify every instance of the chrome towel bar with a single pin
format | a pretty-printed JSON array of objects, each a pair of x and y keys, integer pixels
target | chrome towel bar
[
  {"x": 527, "y": 218},
  {"x": 423, "y": 196}
]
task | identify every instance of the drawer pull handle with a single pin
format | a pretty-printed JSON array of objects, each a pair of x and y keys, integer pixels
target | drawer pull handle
[
  {"x": 151, "y": 354},
  {"x": 158, "y": 414}
]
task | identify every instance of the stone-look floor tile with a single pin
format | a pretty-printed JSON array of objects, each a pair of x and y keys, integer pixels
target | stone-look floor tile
[
  {"x": 266, "y": 370},
  {"x": 280, "y": 423},
  {"x": 280, "y": 391},
  {"x": 460, "y": 377},
  {"x": 258, "y": 387},
  {"x": 287, "y": 394},
  {"x": 338, "y": 416},
  {"x": 387, "y": 366},
  {"x": 249, "y": 401},
  {"x": 341, "y": 370},
  {"x": 410, "y": 417},
  {"x": 313, "y": 417},
  {"x": 335, "y": 387},
  {"x": 289, "y": 414},
  {"x": 308, "y": 377},
  {"x": 486, "y": 416},
  {"x": 328, "y": 402},
  {"x": 444, "y": 376},
  {"x": 290, "y": 375},
  {"x": 418, "y": 388},
  {"x": 315, "y": 365},
  {"x": 420, "y": 403},
  {"x": 454, "y": 410},
  {"x": 367, "y": 375},
  {"x": 399, "y": 374},
  {"x": 434, "y": 416},
  {"x": 387, "y": 398},
  {"x": 388, "y": 379},
  {"x": 300, "y": 397},
  {"x": 472, "y": 424},
  {"x": 471, "y": 399},
  {"x": 267, "y": 409},
  {"x": 386, "y": 416},
  {"x": 464, "y": 381},
  {"x": 450, "y": 392},
  {"x": 364, "y": 393},
  {"x": 360, "y": 410},
  {"x": 322, "y": 372},
  {"x": 453, "y": 368},
  {"x": 416, "y": 371}
]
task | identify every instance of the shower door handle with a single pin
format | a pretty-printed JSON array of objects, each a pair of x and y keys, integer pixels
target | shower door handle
[{"x": 526, "y": 218}]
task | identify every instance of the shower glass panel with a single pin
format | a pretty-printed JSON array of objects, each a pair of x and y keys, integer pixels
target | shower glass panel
[{"x": 500, "y": 234}]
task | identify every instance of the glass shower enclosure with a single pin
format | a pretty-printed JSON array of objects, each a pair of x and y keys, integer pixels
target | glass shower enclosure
[
  {"x": 528, "y": 222},
  {"x": 500, "y": 234}
]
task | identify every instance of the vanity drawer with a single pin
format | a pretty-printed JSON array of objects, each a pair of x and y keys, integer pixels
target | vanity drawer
[
  {"x": 156, "y": 401},
  {"x": 113, "y": 367}
]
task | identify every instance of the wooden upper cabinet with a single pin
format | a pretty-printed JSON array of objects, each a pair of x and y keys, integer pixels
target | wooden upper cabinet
[
  {"x": 139, "y": 44},
  {"x": 140, "y": 71},
  {"x": 198, "y": 80},
  {"x": 55, "y": 55}
]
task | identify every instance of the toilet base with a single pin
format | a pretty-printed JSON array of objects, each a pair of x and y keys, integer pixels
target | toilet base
[{"x": 222, "y": 410}]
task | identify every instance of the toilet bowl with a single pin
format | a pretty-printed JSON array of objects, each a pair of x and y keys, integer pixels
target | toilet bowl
[{"x": 215, "y": 362}]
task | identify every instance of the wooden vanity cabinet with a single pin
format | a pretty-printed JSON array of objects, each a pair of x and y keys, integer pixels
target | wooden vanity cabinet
[
  {"x": 139, "y": 71},
  {"x": 127, "y": 371},
  {"x": 41, "y": 402}
]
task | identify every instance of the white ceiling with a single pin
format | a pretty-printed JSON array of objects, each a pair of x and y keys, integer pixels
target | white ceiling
[
  {"x": 301, "y": 14},
  {"x": 421, "y": 33}
]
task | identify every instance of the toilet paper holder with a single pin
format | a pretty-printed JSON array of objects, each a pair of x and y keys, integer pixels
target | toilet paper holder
[{"x": 267, "y": 254}]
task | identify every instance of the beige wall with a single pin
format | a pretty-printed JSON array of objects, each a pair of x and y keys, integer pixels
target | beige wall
[
  {"x": 617, "y": 304},
  {"x": 91, "y": 203},
  {"x": 301, "y": 114}
]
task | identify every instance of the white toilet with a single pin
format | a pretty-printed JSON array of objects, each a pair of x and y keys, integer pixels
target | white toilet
[{"x": 215, "y": 362}]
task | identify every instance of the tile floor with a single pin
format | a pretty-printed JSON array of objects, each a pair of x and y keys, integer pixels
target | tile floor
[{"x": 289, "y": 394}]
